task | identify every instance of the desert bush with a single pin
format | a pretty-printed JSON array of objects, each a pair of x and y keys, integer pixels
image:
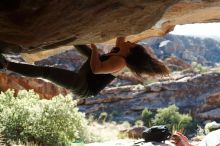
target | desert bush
[
  {"x": 139, "y": 123},
  {"x": 103, "y": 117},
  {"x": 200, "y": 131},
  {"x": 112, "y": 115},
  {"x": 27, "y": 118},
  {"x": 122, "y": 135},
  {"x": 91, "y": 119},
  {"x": 172, "y": 118},
  {"x": 199, "y": 67},
  {"x": 146, "y": 117}
]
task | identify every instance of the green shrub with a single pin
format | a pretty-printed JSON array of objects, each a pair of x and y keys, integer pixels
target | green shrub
[
  {"x": 90, "y": 119},
  {"x": 113, "y": 115},
  {"x": 199, "y": 67},
  {"x": 200, "y": 131},
  {"x": 103, "y": 117},
  {"x": 25, "y": 118},
  {"x": 172, "y": 118},
  {"x": 139, "y": 123},
  {"x": 122, "y": 135},
  {"x": 146, "y": 117}
]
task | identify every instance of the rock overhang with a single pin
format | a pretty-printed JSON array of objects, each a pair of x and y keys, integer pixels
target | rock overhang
[{"x": 48, "y": 24}]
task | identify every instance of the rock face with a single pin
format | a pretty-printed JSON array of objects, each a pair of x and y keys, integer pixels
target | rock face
[
  {"x": 46, "y": 24},
  {"x": 197, "y": 95}
]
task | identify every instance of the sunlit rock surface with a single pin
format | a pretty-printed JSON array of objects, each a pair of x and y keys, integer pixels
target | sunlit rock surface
[
  {"x": 51, "y": 23},
  {"x": 46, "y": 24}
]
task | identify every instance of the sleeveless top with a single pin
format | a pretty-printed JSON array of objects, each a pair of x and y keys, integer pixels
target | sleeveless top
[{"x": 106, "y": 57}]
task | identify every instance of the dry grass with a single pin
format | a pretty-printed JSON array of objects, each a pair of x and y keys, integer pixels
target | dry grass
[
  {"x": 1, "y": 139},
  {"x": 105, "y": 132},
  {"x": 108, "y": 131}
]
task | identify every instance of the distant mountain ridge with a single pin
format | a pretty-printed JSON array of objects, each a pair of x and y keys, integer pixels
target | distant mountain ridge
[{"x": 190, "y": 49}]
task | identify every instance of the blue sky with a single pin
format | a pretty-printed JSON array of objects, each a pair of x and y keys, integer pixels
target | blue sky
[{"x": 199, "y": 29}]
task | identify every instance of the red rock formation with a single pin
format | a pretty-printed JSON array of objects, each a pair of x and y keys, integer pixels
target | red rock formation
[{"x": 45, "y": 89}]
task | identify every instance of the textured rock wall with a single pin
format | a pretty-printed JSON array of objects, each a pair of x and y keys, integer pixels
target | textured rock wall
[
  {"x": 50, "y": 23},
  {"x": 46, "y": 24},
  {"x": 198, "y": 95}
]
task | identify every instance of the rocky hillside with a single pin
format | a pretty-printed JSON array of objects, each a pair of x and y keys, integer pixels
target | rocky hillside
[
  {"x": 204, "y": 51},
  {"x": 195, "y": 94}
]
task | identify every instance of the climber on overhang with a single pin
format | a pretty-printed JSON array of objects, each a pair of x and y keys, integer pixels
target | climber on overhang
[{"x": 98, "y": 71}]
